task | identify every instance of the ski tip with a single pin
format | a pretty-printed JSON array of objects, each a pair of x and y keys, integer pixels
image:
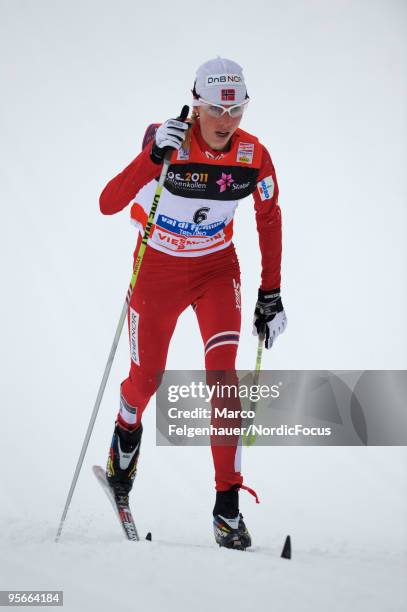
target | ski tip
[
  {"x": 286, "y": 552},
  {"x": 149, "y": 537}
]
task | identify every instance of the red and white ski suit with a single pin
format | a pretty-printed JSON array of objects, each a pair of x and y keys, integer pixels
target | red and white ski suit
[{"x": 190, "y": 260}]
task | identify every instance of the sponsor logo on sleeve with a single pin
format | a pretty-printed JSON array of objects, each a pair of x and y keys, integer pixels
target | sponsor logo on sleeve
[
  {"x": 245, "y": 152},
  {"x": 183, "y": 154},
  {"x": 266, "y": 188}
]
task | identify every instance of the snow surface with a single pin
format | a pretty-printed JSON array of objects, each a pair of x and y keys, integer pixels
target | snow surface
[
  {"x": 328, "y": 91},
  {"x": 344, "y": 509},
  {"x": 100, "y": 572}
]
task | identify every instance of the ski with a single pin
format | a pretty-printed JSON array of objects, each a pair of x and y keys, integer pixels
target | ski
[
  {"x": 126, "y": 520},
  {"x": 122, "y": 512}
]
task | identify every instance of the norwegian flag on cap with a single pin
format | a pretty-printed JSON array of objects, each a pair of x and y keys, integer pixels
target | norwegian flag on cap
[{"x": 228, "y": 95}]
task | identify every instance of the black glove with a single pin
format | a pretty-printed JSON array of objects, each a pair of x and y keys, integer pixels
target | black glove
[
  {"x": 170, "y": 135},
  {"x": 269, "y": 317}
]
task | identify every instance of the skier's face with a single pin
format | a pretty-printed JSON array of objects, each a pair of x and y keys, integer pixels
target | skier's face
[{"x": 217, "y": 131}]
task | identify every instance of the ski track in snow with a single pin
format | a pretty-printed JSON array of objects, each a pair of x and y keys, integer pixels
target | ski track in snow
[{"x": 98, "y": 570}]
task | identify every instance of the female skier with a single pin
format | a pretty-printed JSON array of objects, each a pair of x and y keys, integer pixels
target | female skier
[{"x": 191, "y": 261}]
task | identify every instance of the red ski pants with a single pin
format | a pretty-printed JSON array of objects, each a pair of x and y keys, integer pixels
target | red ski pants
[{"x": 165, "y": 287}]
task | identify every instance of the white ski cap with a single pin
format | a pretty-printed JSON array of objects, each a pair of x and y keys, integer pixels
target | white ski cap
[{"x": 220, "y": 81}]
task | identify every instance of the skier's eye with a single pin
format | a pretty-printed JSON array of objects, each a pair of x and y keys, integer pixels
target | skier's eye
[
  {"x": 215, "y": 111},
  {"x": 236, "y": 112}
]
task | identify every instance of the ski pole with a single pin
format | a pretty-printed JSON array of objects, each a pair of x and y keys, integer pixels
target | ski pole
[
  {"x": 250, "y": 441},
  {"x": 136, "y": 270}
]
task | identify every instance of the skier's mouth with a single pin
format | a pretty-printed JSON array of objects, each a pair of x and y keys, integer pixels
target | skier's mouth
[{"x": 221, "y": 134}]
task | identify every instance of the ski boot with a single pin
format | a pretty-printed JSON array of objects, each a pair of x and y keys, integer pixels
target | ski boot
[
  {"x": 228, "y": 525},
  {"x": 122, "y": 462}
]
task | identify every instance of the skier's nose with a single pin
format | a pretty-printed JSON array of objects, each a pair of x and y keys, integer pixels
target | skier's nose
[{"x": 225, "y": 122}]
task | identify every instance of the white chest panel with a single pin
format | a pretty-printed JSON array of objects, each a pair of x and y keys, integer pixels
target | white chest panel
[{"x": 185, "y": 227}]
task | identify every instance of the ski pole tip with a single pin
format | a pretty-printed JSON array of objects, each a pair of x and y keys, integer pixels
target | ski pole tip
[{"x": 286, "y": 552}]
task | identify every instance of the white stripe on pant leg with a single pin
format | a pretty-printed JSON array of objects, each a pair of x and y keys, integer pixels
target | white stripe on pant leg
[
  {"x": 238, "y": 456},
  {"x": 128, "y": 413},
  {"x": 220, "y": 344},
  {"x": 222, "y": 333}
]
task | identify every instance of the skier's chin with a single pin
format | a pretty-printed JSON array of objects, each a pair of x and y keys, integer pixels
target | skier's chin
[{"x": 220, "y": 139}]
